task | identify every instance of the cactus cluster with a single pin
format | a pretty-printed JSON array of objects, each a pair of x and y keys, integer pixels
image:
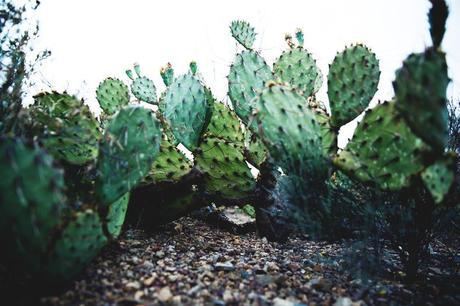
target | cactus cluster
[{"x": 66, "y": 194}]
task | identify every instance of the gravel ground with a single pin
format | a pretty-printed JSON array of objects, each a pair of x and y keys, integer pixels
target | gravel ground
[{"x": 191, "y": 263}]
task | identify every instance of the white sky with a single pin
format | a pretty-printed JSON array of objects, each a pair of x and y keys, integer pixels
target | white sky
[{"x": 93, "y": 39}]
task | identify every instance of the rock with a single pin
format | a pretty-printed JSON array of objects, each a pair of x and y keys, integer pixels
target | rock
[
  {"x": 281, "y": 302},
  {"x": 343, "y": 301},
  {"x": 160, "y": 254},
  {"x": 165, "y": 294},
  {"x": 294, "y": 267},
  {"x": 224, "y": 266}
]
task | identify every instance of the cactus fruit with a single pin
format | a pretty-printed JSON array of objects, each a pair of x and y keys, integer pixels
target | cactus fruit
[
  {"x": 79, "y": 242},
  {"x": 170, "y": 164},
  {"x": 438, "y": 177},
  {"x": 31, "y": 199},
  {"x": 243, "y": 33},
  {"x": 226, "y": 173},
  {"x": 69, "y": 130},
  {"x": 247, "y": 76},
  {"x": 298, "y": 68},
  {"x": 167, "y": 74},
  {"x": 352, "y": 82},
  {"x": 186, "y": 109},
  {"x": 127, "y": 151},
  {"x": 116, "y": 215},
  {"x": 290, "y": 131},
  {"x": 420, "y": 89},
  {"x": 112, "y": 94},
  {"x": 142, "y": 87},
  {"x": 383, "y": 150}
]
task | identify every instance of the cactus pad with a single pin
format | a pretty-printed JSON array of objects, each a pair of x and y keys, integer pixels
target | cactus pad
[
  {"x": 224, "y": 124},
  {"x": 437, "y": 18},
  {"x": 352, "y": 82},
  {"x": 420, "y": 89},
  {"x": 186, "y": 109},
  {"x": 31, "y": 199},
  {"x": 256, "y": 153},
  {"x": 383, "y": 150},
  {"x": 243, "y": 33},
  {"x": 298, "y": 68},
  {"x": 290, "y": 131},
  {"x": 70, "y": 131},
  {"x": 225, "y": 170},
  {"x": 247, "y": 76},
  {"x": 142, "y": 87},
  {"x": 329, "y": 135},
  {"x": 438, "y": 177},
  {"x": 77, "y": 245},
  {"x": 112, "y": 95},
  {"x": 127, "y": 151},
  {"x": 116, "y": 215},
  {"x": 167, "y": 74}
]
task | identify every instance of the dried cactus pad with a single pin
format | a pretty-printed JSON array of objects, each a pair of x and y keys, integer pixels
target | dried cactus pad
[
  {"x": 127, "y": 150},
  {"x": 243, "y": 33},
  {"x": 352, "y": 82},
  {"x": 247, "y": 77},
  {"x": 383, "y": 151}
]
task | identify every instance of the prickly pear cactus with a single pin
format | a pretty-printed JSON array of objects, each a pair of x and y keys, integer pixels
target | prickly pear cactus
[
  {"x": 248, "y": 75},
  {"x": 352, "y": 82},
  {"x": 80, "y": 241},
  {"x": 298, "y": 68},
  {"x": 243, "y": 33},
  {"x": 142, "y": 87},
  {"x": 116, "y": 215},
  {"x": 438, "y": 177},
  {"x": 127, "y": 151},
  {"x": 186, "y": 109},
  {"x": 167, "y": 74},
  {"x": 170, "y": 165},
  {"x": 69, "y": 131},
  {"x": 290, "y": 131},
  {"x": 225, "y": 124},
  {"x": 226, "y": 173},
  {"x": 383, "y": 150},
  {"x": 32, "y": 202},
  {"x": 112, "y": 94},
  {"x": 420, "y": 89}
]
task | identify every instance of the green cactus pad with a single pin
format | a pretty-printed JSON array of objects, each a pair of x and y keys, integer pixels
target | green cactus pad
[
  {"x": 170, "y": 164},
  {"x": 290, "y": 131},
  {"x": 352, "y": 82},
  {"x": 142, "y": 87},
  {"x": 256, "y": 153},
  {"x": 383, "y": 150},
  {"x": 31, "y": 199},
  {"x": 167, "y": 74},
  {"x": 329, "y": 135},
  {"x": 225, "y": 170},
  {"x": 127, "y": 151},
  {"x": 224, "y": 124},
  {"x": 69, "y": 130},
  {"x": 112, "y": 94},
  {"x": 79, "y": 243},
  {"x": 243, "y": 33},
  {"x": 116, "y": 215},
  {"x": 186, "y": 109},
  {"x": 438, "y": 177},
  {"x": 420, "y": 89},
  {"x": 247, "y": 76},
  {"x": 298, "y": 68},
  {"x": 437, "y": 18}
]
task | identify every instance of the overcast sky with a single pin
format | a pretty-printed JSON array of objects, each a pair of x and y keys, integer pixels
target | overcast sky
[{"x": 93, "y": 39}]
